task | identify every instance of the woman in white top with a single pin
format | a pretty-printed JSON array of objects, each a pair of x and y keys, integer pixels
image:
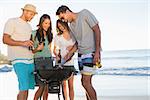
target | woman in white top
[{"x": 64, "y": 41}]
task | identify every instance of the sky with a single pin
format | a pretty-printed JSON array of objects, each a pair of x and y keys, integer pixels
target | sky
[{"x": 123, "y": 23}]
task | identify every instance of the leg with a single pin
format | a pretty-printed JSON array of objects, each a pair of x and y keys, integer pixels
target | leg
[
  {"x": 65, "y": 90},
  {"x": 87, "y": 97},
  {"x": 45, "y": 92},
  {"x": 22, "y": 72},
  {"x": 71, "y": 87},
  {"x": 26, "y": 95},
  {"x": 39, "y": 92},
  {"x": 22, "y": 95},
  {"x": 87, "y": 84}
]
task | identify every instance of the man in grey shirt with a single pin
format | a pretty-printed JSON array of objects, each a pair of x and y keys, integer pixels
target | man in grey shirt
[{"x": 85, "y": 29}]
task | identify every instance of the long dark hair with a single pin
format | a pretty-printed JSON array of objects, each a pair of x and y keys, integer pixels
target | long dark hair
[
  {"x": 64, "y": 24},
  {"x": 39, "y": 32}
]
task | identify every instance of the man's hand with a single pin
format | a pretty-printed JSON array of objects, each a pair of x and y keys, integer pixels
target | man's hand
[
  {"x": 68, "y": 56},
  {"x": 69, "y": 47},
  {"x": 70, "y": 52},
  {"x": 27, "y": 43},
  {"x": 97, "y": 57}
]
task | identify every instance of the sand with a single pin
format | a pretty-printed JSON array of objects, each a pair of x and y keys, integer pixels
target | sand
[{"x": 107, "y": 87}]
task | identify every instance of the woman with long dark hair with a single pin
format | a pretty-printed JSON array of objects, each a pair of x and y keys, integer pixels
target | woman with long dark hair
[
  {"x": 65, "y": 41},
  {"x": 42, "y": 39}
]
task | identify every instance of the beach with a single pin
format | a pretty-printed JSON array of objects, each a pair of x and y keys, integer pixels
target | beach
[
  {"x": 108, "y": 87},
  {"x": 125, "y": 46},
  {"x": 124, "y": 76}
]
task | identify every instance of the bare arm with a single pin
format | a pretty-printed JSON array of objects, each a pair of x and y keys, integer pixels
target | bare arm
[
  {"x": 97, "y": 32},
  {"x": 71, "y": 51},
  {"x": 97, "y": 56},
  {"x": 39, "y": 48},
  {"x": 50, "y": 47},
  {"x": 55, "y": 53},
  {"x": 9, "y": 41}
]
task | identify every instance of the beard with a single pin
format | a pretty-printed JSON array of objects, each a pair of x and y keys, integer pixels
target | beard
[{"x": 28, "y": 19}]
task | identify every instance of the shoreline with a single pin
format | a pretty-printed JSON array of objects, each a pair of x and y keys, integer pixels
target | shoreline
[
  {"x": 107, "y": 87},
  {"x": 118, "y": 98}
]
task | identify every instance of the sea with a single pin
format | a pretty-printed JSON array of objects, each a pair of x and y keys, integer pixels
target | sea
[
  {"x": 126, "y": 63},
  {"x": 123, "y": 73}
]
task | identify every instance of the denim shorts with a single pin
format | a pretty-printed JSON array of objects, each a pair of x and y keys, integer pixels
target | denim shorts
[
  {"x": 43, "y": 63},
  {"x": 25, "y": 75}
]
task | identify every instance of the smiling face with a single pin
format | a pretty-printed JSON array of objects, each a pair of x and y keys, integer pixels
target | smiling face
[
  {"x": 46, "y": 24},
  {"x": 28, "y": 15},
  {"x": 61, "y": 27}
]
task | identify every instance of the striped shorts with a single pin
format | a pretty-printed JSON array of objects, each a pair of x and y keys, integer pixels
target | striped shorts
[{"x": 85, "y": 62}]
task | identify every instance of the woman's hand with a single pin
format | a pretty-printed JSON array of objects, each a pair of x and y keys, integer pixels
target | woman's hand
[
  {"x": 57, "y": 58},
  {"x": 27, "y": 43},
  {"x": 40, "y": 46}
]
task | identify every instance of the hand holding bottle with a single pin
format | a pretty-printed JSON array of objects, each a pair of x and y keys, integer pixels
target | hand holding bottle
[
  {"x": 40, "y": 46},
  {"x": 98, "y": 65}
]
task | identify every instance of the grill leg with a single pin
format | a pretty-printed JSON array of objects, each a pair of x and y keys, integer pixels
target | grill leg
[
  {"x": 58, "y": 96},
  {"x": 59, "y": 93}
]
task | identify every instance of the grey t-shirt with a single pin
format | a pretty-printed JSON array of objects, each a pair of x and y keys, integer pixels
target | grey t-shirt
[{"x": 83, "y": 33}]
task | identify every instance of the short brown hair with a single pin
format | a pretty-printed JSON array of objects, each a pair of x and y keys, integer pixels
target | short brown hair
[{"x": 62, "y": 9}]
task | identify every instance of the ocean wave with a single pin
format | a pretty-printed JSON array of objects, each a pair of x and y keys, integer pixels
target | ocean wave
[
  {"x": 6, "y": 69},
  {"x": 126, "y": 54},
  {"x": 138, "y": 71},
  {"x": 128, "y": 57}
]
